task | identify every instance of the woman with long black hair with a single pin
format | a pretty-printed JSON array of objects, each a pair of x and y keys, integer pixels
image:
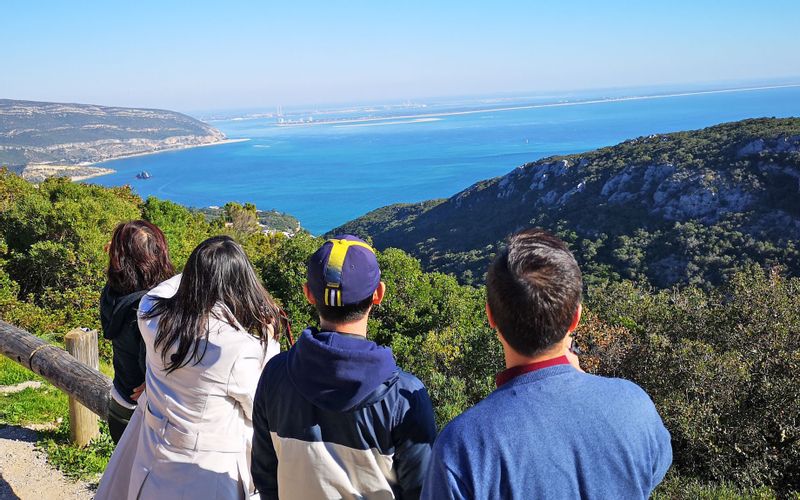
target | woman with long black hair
[
  {"x": 138, "y": 260},
  {"x": 208, "y": 333}
]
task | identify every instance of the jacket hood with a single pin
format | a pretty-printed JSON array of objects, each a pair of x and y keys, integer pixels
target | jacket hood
[
  {"x": 338, "y": 372},
  {"x": 115, "y": 310}
]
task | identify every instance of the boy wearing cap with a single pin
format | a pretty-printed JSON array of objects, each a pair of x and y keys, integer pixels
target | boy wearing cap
[{"x": 334, "y": 417}]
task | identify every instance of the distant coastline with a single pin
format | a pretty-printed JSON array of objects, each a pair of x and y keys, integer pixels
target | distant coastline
[
  {"x": 420, "y": 116},
  {"x": 77, "y": 173},
  {"x": 37, "y": 173},
  {"x": 283, "y": 168},
  {"x": 177, "y": 148}
]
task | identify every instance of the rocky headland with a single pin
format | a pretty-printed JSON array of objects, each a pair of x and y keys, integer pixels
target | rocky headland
[{"x": 58, "y": 134}]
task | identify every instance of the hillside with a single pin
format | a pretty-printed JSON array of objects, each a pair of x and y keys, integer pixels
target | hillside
[
  {"x": 70, "y": 134},
  {"x": 707, "y": 358},
  {"x": 672, "y": 208}
]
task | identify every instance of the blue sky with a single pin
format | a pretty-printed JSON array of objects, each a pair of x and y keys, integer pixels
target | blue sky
[{"x": 198, "y": 55}]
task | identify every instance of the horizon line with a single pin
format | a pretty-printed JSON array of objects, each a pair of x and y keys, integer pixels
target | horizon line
[{"x": 536, "y": 106}]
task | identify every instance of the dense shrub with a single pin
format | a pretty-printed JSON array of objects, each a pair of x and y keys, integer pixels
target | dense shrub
[
  {"x": 721, "y": 366},
  {"x": 182, "y": 228}
]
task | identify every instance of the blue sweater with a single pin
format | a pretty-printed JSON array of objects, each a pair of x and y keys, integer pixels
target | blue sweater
[{"x": 553, "y": 433}]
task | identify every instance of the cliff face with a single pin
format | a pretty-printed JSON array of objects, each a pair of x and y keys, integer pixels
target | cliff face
[
  {"x": 69, "y": 134},
  {"x": 673, "y": 208}
]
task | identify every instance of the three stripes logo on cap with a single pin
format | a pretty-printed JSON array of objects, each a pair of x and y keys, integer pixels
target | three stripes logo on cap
[{"x": 333, "y": 271}]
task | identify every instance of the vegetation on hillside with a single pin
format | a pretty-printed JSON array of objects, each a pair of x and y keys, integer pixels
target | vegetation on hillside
[
  {"x": 240, "y": 215},
  {"x": 721, "y": 364},
  {"x": 681, "y": 208}
]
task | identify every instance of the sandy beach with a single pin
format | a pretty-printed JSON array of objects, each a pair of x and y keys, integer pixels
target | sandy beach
[
  {"x": 177, "y": 148},
  {"x": 39, "y": 172}
]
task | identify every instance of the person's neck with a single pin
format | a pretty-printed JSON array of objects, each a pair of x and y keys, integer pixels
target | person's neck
[
  {"x": 353, "y": 328},
  {"x": 514, "y": 358}
]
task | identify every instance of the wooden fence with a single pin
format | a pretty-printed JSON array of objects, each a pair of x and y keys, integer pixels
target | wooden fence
[{"x": 73, "y": 372}]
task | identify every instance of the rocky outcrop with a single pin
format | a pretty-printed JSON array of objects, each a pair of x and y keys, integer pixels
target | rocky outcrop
[
  {"x": 751, "y": 148},
  {"x": 674, "y": 195},
  {"x": 781, "y": 145}
]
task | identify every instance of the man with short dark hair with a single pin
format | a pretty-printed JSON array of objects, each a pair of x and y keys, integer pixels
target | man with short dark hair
[
  {"x": 334, "y": 417},
  {"x": 548, "y": 430}
]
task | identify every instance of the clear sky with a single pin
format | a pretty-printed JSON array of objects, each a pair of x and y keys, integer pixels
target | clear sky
[{"x": 198, "y": 55}]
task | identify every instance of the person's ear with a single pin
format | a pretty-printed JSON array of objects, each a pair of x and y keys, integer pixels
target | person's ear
[
  {"x": 309, "y": 296},
  {"x": 489, "y": 317},
  {"x": 493, "y": 325},
  {"x": 380, "y": 292},
  {"x": 576, "y": 319}
]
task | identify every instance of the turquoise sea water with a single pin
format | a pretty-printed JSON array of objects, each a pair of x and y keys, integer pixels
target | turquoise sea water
[{"x": 328, "y": 174}]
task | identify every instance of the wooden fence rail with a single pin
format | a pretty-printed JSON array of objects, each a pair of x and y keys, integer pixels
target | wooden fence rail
[{"x": 82, "y": 383}]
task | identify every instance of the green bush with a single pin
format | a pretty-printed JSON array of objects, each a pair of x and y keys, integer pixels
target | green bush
[
  {"x": 183, "y": 228},
  {"x": 55, "y": 233},
  {"x": 722, "y": 368}
]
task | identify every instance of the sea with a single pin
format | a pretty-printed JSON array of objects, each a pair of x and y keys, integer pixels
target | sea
[{"x": 329, "y": 165}]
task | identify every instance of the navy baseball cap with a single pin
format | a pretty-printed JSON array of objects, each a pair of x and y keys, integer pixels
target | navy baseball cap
[{"x": 344, "y": 271}]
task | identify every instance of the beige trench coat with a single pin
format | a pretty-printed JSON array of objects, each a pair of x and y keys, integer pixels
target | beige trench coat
[{"x": 191, "y": 434}]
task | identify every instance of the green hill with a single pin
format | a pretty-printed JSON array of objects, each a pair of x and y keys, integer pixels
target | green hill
[
  {"x": 69, "y": 134},
  {"x": 686, "y": 207}
]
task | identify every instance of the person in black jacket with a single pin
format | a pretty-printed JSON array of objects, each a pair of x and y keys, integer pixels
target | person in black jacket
[
  {"x": 138, "y": 261},
  {"x": 334, "y": 417}
]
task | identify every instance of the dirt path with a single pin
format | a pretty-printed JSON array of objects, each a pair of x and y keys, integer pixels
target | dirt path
[
  {"x": 25, "y": 473},
  {"x": 10, "y": 389}
]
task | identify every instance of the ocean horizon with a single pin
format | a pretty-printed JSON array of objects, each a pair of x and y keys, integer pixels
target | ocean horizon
[{"x": 361, "y": 159}]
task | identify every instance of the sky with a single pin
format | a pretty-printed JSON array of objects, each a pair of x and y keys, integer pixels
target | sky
[{"x": 206, "y": 55}]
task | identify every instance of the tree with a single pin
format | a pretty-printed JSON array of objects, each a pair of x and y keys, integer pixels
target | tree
[{"x": 183, "y": 229}]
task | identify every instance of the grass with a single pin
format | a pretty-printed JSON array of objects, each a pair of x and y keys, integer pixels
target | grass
[
  {"x": 12, "y": 373},
  {"x": 48, "y": 405},
  {"x": 676, "y": 487},
  {"x": 33, "y": 406},
  {"x": 106, "y": 369},
  {"x": 86, "y": 463}
]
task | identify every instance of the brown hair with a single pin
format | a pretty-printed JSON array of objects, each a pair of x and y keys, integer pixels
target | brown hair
[{"x": 138, "y": 257}]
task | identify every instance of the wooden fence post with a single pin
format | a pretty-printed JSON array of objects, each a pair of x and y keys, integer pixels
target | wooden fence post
[{"x": 83, "y": 425}]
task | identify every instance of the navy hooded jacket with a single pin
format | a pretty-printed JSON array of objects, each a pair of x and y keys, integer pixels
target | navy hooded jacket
[{"x": 334, "y": 417}]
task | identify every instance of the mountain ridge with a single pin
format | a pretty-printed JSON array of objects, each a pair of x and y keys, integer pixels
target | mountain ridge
[{"x": 33, "y": 132}]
